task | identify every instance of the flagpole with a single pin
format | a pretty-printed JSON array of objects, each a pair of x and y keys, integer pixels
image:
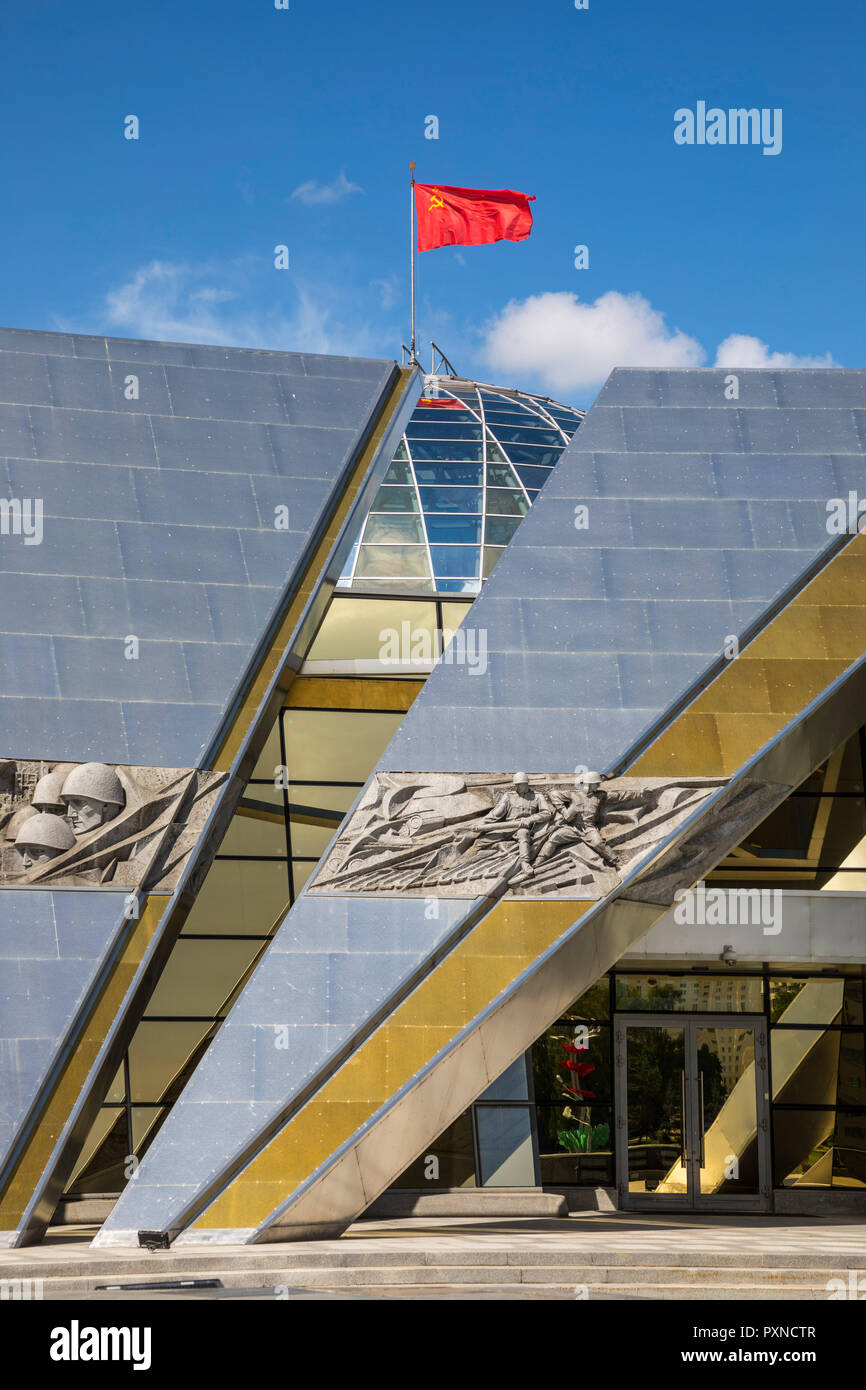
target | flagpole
[{"x": 412, "y": 256}]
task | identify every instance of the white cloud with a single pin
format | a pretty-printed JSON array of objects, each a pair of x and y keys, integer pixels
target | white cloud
[
  {"x": 742, "y": 350},
  {"x": 567, "y": 346},
  {"x": 313, "y": 193},
  {"x": 218, "y": 302},
  {"x": 572, "y": 346},
  {"x": 389, "y": 291}
]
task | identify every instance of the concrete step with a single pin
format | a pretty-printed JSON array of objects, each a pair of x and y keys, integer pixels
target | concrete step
[
  {"x": 747, "y": 1280},
  {"x": 41, "y": 1263}
]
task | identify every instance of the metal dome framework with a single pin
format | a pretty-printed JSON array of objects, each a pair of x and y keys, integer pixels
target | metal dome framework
[{"x": 471, "y": 463}]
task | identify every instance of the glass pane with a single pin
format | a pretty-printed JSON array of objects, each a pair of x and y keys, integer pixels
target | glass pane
[
  {"x": 817, "y": 1148},
  {"x": 820, "y": 829},
  {"x": 336, "y": 745},
  {"x": 430, "y": 449},
  {"x": 352, "y": 630},
  {"x": 451, "y": 499},
  {"x": 452, "y": 530},
  {"x": 444, "y": 408},
  {"x": 448, "y": 1162},
  {"x": 158, "y": 1053},
  {"x": 306, "y": 799},
  {"x": 399, "y": 470},
  {"x": 453, "y": 615},
  {"x": 394, "y": 584},
  {"x": 270, "y": 758},
  {"x": 393, "y": 529},
  {"x": 811, "y": 1067},
  {"x": 310, "y": 840},
  {"x": 728, "y": 1111},
  {"x": 720, "y": 994},
  {"x": 513, "y": 1084},
  {"x": 506, "y": 503},
  {"x": 258, "y": 826},
  {"x": 106, "y": 1120},
  {"x": 444, "y": 474},
  {"x": 383, "y": 561},
  {"x": 850, "y": 774},
  {"x": 498, "y": 530},
  {"x": 441, "y": 428},
  {"x": 595, "y": 1003},
  {"x": 655, "y": 1079},
  {"x": 501, "y": 475},
  {"x": 395, "y": 499},
  {"x": 814, "y": 1001},
  {"x": 107, "y": 1150},
  {"x": 239, "y": 897},
  {"x": 458, "y": 586},
  {"x": 511, "y": 435},
  {"x": 455, "y": 562},
  {"x": 531, "y": 454},
  {"x": 575, "y": 1145},
  {"x": 572, "y": 1060},
  {"x": 145, "y": 1124},
  {"x": 505, "y": 415},
  {"x": 198, "y": 978},
  {"x": 505, "y": 1146},
  {"x": 301, "y": 873},
  {"x": 117, "y": 1089},
  {"x": 491, "y": 559}
]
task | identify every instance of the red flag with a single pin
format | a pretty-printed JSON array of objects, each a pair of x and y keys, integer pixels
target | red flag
[{"x": 470, "y": 216}]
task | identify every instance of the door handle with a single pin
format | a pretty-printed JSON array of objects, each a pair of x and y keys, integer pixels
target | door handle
[
  {"x": 701, "y": 1120},
  {"x": 685, "y": 1154}
]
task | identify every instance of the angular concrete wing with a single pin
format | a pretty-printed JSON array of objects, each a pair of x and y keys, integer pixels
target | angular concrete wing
[
  {"x": 165, "y": 510},
  {"x": 701, "y": 621}
]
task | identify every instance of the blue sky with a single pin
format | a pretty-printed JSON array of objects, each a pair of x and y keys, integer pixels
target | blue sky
[{"x": 241, "y": 105}]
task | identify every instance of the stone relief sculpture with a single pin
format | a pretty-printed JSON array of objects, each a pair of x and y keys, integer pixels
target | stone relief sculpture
[
  {"x": 543, "y": 836},
  {"x": 85, "y": 824}
]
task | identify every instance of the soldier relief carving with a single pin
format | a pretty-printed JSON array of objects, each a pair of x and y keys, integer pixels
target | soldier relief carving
[
  {"x": 543, "y": 836},
  {"x": 86, "y": 824}
]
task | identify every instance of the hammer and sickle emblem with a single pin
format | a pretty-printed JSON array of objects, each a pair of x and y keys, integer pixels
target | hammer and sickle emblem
[{"x": 436, "y": 200}]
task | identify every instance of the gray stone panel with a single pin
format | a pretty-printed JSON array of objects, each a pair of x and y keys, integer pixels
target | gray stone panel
[
  {"x": 51, "y": 947},
  {"x": 157, "y": 522},
  {"x": 331, "y": 961},
  {"x": 78, "y": 491}
]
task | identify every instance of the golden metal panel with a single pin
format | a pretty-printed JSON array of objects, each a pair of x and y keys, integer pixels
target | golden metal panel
[
  {"x": 843, "y": 581},
  {"x": 795, "y": 658},
  {"x": 845, "y": 630},
  {"x": 793, "y": 684},
  {"x": 352, "y": 692},
  {"x": 798, "y": 628}
]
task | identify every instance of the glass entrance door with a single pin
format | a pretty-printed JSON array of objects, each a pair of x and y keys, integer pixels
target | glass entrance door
[{"x": 692, "y": 1108}]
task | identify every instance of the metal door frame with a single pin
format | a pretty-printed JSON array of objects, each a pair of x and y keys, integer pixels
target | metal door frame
[{"x": 693, "y": 1199}]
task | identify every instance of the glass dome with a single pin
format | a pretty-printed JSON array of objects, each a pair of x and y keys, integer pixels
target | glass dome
[{"x": 471, "y": 463}]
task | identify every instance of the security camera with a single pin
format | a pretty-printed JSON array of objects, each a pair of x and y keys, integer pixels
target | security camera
[{"x": 728, "y": 955}]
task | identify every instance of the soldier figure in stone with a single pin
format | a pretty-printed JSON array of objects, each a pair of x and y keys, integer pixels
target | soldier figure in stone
[
  {"x": 577, "y": 815},
  {"x": 525, "y": 808},
  {"x": 41, "y": 838},
  {"x": 92, "y": 794}
]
